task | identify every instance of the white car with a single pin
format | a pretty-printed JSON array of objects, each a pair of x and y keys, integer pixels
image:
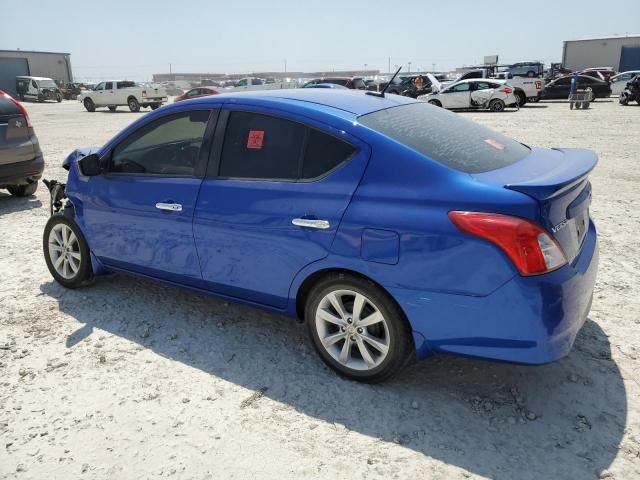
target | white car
[
  {"x": 482, "y": 93},
  {"x": 115, "y": 93},
  {"x": 619, "y": 81}
]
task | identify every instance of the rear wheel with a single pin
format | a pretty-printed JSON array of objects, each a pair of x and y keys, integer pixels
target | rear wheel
[
  {"x": 23, "y": 190},
  {"x": 155, "y": 106},
  {"x": 89, "y": 105},
  {"x": 522, "y": 99},
  {"x": 496, "y": 105},
  {"x": 58, "y": 98},
  {"x": 112, "y": 108},
  {"x": 134, "y": 106},
  {"x": 531, "y": 74},
  {"x": 66, "y": 252},
  {"x": 357, "y": 328}
]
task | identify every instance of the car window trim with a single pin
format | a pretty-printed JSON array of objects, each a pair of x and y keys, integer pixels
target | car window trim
[
  {"x": 213, "y": 169},
  {"x": 201, "y": 165}
]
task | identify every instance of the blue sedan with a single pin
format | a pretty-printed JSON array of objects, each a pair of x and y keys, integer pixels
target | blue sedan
[{"x": 393, "y": 228}]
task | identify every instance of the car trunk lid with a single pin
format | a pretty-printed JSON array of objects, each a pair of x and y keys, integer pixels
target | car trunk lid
[
  {"x": 558, "y": 180},
  {"x": 15, "y": 135}
]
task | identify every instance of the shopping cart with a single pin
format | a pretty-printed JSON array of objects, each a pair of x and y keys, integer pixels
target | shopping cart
[{"x": 581, "y": 99}]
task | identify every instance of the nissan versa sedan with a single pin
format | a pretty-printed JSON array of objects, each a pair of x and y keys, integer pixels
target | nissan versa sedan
[{"x": 393, "y": 228}]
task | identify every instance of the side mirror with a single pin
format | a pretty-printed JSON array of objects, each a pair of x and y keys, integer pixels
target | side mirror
[{"x": 90, "y": 165}]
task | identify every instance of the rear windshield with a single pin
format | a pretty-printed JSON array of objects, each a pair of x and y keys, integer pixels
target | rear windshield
[{"x": 446, "y": 137}]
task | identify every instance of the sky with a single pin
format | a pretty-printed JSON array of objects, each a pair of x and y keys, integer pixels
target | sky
[{"x": 137, "y": 38}]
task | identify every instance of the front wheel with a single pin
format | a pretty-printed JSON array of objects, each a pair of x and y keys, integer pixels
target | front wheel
[
  {"x": 23, "y": 190},
  {"x": 58, "y": 98},
  {"x": 66, "y": 252},
  {"x": 357, "y": 328},
  {"x": 89, "y": 105},
  {"x": 134, "y": 106},
  {"x": 623, "y": 99},
  {"x": 435, "y": 103},
  {"x": 496, "y": 105}
]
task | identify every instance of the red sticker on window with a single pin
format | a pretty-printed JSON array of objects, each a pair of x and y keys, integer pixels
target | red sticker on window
[
  {"x": 256, "y": 139},
  {"x": 495, "y": 144}
]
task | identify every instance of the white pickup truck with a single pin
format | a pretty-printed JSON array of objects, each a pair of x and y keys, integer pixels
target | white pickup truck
[
  {"x": 526, "y": 89},
  {"x": 115, "y": 93}
]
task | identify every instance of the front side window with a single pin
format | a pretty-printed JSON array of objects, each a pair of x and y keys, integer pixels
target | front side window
[
  {"x": 462, "y": 87},
  {"x": 100, "y": 86},
  {"x": 262, "y": 147},
  {"x": 168, "y": 146}
]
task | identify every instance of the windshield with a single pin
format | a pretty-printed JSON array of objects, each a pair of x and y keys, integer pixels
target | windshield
[
  {"x": 47, "y": 84},
  {"x": 446, "y": 137}
]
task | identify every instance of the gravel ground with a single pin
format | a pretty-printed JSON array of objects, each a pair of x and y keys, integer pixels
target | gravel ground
[{"x": 130, "y": 379}]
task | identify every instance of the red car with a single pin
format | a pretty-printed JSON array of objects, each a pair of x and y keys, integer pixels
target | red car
[{"x": 197, "y": 92}]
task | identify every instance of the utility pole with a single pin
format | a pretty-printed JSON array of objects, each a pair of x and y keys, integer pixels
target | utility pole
[
  {"x": 433, "y": 67},
  {"x": 285, "y": 65},
  {"x": 409, "y": 67},
  {"x": 365, "y": 69},
  {"x": 169, "y": 69},
  {"x": 389, "y": 65}
]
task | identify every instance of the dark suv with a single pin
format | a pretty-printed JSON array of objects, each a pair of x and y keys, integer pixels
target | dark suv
[
  {"x": 21, "y": 161},
  {"x": 353, "y": 83}
]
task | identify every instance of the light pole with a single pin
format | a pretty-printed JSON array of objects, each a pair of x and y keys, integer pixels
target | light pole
[
  {"x": 433, "y": 67},
  {"x": 365, "y": 69},
  {"x": 409, "y": 67}
]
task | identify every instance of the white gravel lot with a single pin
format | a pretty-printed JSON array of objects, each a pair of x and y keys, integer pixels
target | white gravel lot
[{"x": 131, "y": 379}]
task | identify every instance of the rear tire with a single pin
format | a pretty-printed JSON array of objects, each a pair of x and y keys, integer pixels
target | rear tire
[
  {"x": 369, "y": 343},
  {"x": 134, "y": 105},
  {"x": 531, "y": 74},
  {"x": 58, "y": 98},
  {"x": 23, "y": 190},
  {"x": 496, "y": 105},
  {"x": 112, "y": 108},
  {"x": 66, "y": 252},
  {"x": 155, "y": 106},
  {"x": 89, "y": 105},
  {"x": 522, "y": 98}
]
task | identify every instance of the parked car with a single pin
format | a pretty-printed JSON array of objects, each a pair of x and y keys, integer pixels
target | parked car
[
  {"x": 349, "y": 82},
  {"x": 631, "y": 92},
  {"x": 115, "y": 93},
  {"x": 21, "y": 160},
  {"x": 37, "y": 89},
  {"x": 525, "y": 89},
  {"x": 560, "y": 87},
  {"x": 526, "y": 69},
  {"x": 197, "y": 92},
  {"x": 395, "y": 229},
  {"x": 404, "y": 85},
  {"x": 619, "y": 82},
  {"x": 325, "y": 85},
  {"x": 487, "y": 94},
  {"x": 601, "y": 73}
]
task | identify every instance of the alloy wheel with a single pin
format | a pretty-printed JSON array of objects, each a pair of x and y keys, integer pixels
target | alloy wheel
[
  {"x": 64, "y": 251},
  {"x": 352, "y": 329}
]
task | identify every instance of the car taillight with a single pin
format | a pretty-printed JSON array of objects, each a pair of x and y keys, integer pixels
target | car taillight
[
  {"x": 23, "y": 110},
  {"x": 506, "y": 90},
  {"x": 529, "y": 246},
  {"x": 144, "y": 93}
]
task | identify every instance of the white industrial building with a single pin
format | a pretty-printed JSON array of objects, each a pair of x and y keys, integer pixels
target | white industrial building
[
  {"x": 14, "y": 63},
  {"x": 621, "y": 53}
]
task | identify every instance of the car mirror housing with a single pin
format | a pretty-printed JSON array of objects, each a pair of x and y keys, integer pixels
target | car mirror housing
[{"x": 90, "y": 165}]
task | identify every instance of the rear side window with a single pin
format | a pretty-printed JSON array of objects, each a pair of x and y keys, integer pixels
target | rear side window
[
  {"x": 324, "y": 153},
  {"x": 262, "y": 147},
  {"x": 446, "y": 137}
]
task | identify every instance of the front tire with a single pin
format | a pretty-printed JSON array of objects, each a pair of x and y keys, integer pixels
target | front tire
[
  {"x": 435, "y": 103},
  {"x": 496, "y": 105},
  {"x": 23, "y": 190},
  {"x": 89, "y": 105},
  {"x": 134, "y": 105},
  {"x": 66, "y": 252},
  {"x": 357, "y": 328}
]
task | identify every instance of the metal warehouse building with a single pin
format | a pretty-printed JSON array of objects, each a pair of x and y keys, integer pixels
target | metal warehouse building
[
  {"x": 621, "y": 53},
  {"x": 15, "y": 63}
]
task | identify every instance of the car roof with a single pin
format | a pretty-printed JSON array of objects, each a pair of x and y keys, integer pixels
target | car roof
[{"x": 353, "y": 102}]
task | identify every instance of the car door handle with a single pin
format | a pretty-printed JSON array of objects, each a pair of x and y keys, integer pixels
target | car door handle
[
  {"x": 172, "y": 207},
  {"x": 311, "y": 223}
]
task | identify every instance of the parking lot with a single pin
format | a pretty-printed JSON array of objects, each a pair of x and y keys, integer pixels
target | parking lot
[{"x": 131, "y": 379}]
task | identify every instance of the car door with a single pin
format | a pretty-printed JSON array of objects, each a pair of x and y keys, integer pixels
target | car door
[
  {"x": 561, "y": 88},
  {"x": 457, "y": 96},
  {"x": 109, "y": 96},
  {"x": 272, "y": 200},
  {"x": 138, "y": 214},
  {"x": 98, "y": 94}
]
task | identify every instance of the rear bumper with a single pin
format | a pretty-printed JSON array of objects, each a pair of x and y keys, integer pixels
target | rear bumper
[
  {"x": 22, "y": 172},
  {"x": 529, "y": 320},
  {"x": 154, "y": 100}
]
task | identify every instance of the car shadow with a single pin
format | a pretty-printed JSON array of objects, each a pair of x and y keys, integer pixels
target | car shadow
[
  {"x": 496, "y": 420},
  {"x": 11, "y": 204}
]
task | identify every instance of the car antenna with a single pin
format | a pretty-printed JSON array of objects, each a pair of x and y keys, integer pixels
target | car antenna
[{"x": 381, "y": 94}]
